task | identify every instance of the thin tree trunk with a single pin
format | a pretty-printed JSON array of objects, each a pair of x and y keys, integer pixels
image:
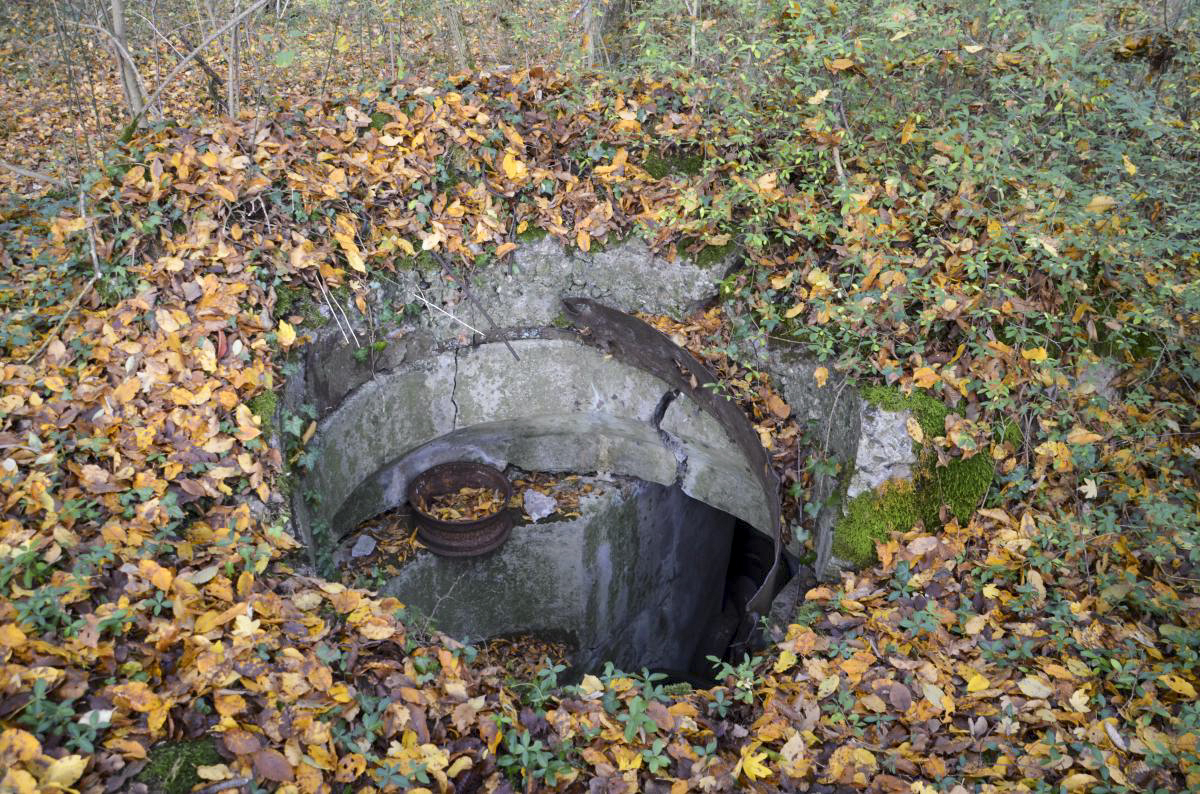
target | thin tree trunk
[
  {"x": 457, "y": 43},
  {"x": 129, "y": 78},
  {"x": 235, "y": 65}
]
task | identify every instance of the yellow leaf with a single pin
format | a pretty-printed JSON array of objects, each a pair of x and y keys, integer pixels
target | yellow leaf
[
  {"x": 431, "y": 241},
  {"x": 828, "y": 686},
  {"x": 286, "y": 334},
  {"x": 977, "y": 683},
  {"x": 972, "y": 48},
  {"x": 821, "y": 375},
  {"x": 795, "y": 310},
  {"x": 1100, "y": 204},
  {"x": 1130, "y": 168},
  {"x": 514, "y": 169},
  {"x": 1080, "y": 435},
  {"x": 504, "y": 249},
  {"x": 751, "y": 764},
  {"x": 1178, "y": 685},
  {"x": 583, "y": 240},
  {"x": 925, "y": 377},
  {"x": 406, "y": 246},
  {"x": 627, "y": 758},
  {"x": 914, "y": 430},
  {"x": 818, "y": 97},
  {"x": 1035, "y": 688},
  {"x": 1080, "y": 781},
  {"x": 11, "y": 636},
  {"x": 907, "y": 131},
  {"x": 1035, "y": 354},
  {"x": 63, "y": 772},
  {"x": 785, "y": 661},
  {"x": 975, "y": 624},
  {"x": 350, "y": 248},
  {"x": 840, "y": 64}
]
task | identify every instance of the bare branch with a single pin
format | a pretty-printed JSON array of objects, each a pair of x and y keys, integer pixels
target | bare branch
[
  {"x": 25, "y": 172},
  {"x": 179, "y": 67}
]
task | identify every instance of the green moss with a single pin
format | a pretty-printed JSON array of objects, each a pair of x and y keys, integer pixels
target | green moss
[
  {"x": 714, "y": 254},
  {"x": 264, "y": 406},
  {"x": 930, "y": 413},
  {"x": 960, "y": 486},
  {"x": 561, "y": 321},
  {"x": 298, "y": 300},
  {"x": 171, "y": 768},
  {"x": 422, "y": 262},
  {"x": 872, "y": 517},
  {"x": 661, "y": 165},
  {"x": 532, "y": 235}
]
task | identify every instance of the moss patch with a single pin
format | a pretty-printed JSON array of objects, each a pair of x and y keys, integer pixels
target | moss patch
[
  {"x": 871, "y": 517},
  {"x": 714, "y": 254},
  {"x": 532, "y": 235},
  {"x": 661, "y": 165},
  {"x": 264, "y": 407},
  {"x": 298, "y": 300},
  {"x": 959, "y": 486},
  {"x": 171, "y": 768}
]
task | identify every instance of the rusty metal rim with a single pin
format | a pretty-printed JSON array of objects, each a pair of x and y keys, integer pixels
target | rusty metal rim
[{"x": 462, "y": 538}]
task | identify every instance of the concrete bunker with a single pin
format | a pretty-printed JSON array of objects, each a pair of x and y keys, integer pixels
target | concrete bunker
[{"x": 684, "y": 521}]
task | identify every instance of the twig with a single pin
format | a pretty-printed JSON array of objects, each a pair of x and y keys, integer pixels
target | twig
[
  {"x": 121, "y": 50},
  {"x": 91, "y": 235},
  {"x": 449, "y": 271},
  {"x": 437, "y": 308},
  {"x": 225, "y": 785},
  {"x": 62, "y": 320},
  {"x": 25, "y": 172}
]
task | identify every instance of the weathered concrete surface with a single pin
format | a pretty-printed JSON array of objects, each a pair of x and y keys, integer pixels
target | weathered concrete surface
[
  {"x": 885, "y": 450},
  {"x": 635, "y": 580},
  {"x": 522, "y": 293},
  {"x": 832, "y": 415},
  {"x": 562, "y": 407}
]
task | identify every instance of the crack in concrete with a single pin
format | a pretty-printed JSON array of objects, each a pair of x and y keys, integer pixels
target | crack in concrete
[
  {"x": 453, "y": 391},
  {"x": 672, "y": 443}
]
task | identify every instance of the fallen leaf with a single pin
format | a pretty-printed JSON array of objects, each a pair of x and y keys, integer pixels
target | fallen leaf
[{"x": 1035, "y": 688}]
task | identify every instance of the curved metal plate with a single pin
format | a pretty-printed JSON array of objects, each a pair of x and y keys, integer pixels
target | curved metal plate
[{"x": 634, "y": 342}]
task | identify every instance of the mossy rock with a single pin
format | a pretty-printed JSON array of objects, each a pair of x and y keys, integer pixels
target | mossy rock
[
  {"x": 298, "y": 300},
  {"x": 171, "y": 766},
  {"x": 896, "y": 507},
  {"x": 532, "y": 235},
  {"x": 711, "y": 255}
]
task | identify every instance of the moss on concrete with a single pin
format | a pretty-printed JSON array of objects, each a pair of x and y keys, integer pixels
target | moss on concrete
[
  {"x": 298, "y": 300},
  {"x": 423, "y": 262},
  {"x": 532, "y": 235},
  {"x": 661, "y": 165},
  {"x": 171, "y": 767},
  {"x": 264, "y": 407},
  {"x": 711, "y": 255},
  {"x": 959, "y": 486},
  {"x": 871, "y": 517}
]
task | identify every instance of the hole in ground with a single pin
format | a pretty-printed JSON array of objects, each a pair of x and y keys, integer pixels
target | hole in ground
[{"x": 621, "y": 570}]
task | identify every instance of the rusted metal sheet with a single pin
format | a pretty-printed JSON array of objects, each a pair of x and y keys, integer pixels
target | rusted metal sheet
[{"x": 634, "y": 342}]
